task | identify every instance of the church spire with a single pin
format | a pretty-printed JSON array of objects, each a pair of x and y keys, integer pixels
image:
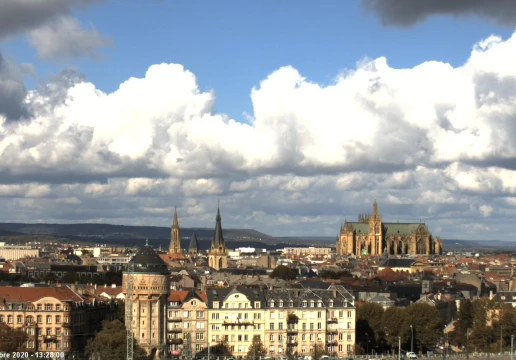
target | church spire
[
  {"x": 218, "y": 239},
  {"x": 175, "y": 238},
  {"x": 176, "y": 221}
]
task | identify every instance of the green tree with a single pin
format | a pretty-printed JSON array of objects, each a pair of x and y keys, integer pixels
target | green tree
[
  {"x": 463, "y": 323},
  {"x": 283, "y": 272},
  {"x": 426, "y": 323},
  {"x": 11, "y": 340},
  {"x": 369, "y": 325},
  {"x": 257, "y": 349},
  {"x": 111, "y": 343},
  {"x": 393, "y": 323},
  {"x": 482, "y": 336}
]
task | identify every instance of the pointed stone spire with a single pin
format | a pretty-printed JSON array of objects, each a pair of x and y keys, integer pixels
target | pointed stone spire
[
  {"x": 218, "y": 239},
  {"x": 175, "y": 237},
  {"x": 176, "y": 220},
  {"x": 193, "y": 248}
]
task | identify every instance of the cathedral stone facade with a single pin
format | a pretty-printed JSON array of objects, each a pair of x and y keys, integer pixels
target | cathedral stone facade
[{"x": 371, "y": 236}]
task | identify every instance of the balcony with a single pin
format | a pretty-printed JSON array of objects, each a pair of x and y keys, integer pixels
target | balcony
[
  {"x": 331, "y": 331},
  {"x": 31, "y": 324},
  {"x": 238, "y": 322},
  {"x": 332, "y": 320},
  {"x": 175, "y": 341},
  {"x": 332, "y": 342},
  {"x": 49, "y": 338},
  {"x": 292, "y": 331},
  {"x": 66, "y": 324},
  {"x": 292, "y": 343},
  {"x": 175, "y": 319},
  {"x": 175, "y": 330}
]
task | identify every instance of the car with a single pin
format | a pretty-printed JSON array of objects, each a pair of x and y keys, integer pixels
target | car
[{"x": 411, "y": 355}]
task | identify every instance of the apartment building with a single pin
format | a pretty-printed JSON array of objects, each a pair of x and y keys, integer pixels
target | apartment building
[
  {"x": 236, "y": 316},
  {"x": 299, "y": 319},
  {"x": 56, "y": 319},
  {"x": 287, "y": 321},
  {"x": 187, "y": 322}
]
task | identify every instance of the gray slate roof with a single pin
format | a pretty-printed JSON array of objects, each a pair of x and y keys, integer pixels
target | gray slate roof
[{"x": 147, "y": 260}]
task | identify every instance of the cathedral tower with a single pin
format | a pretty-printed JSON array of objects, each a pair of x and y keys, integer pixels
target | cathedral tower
[
  {"x": 175, "y": 239},
  {"x": 217, "y": 256}
]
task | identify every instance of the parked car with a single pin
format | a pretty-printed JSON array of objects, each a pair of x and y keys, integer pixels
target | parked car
[{"x": 411, "y": 355}]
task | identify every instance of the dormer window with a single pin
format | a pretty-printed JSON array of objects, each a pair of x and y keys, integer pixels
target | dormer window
[
  {"x": 291, "y": 303},
  {"x": 280, "y": 303},
  {"x": 312, "y": 303},
  {"x": 319, "y": 303},
  {"x": 330, "y": 304},
  {"x": 194, "y": 303},
  {"x": 304, "y": 303},
  {"x": 271, "y": 304}
]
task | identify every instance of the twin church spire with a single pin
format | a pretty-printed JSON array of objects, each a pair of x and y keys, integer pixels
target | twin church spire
[{"x": 218, "y": 246}]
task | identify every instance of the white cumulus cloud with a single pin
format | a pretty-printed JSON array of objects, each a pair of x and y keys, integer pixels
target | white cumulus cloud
[{"x": 429, "y": 142}]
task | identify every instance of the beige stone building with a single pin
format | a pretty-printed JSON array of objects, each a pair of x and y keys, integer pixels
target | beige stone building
[
  {"x": 299, "y": 319},
  {"x": 236, "y": 316},
  {"x": 56, "y": 319},
  {"x": 371, "y": 236},
  {"x": 187, "y": 322},
  {"x": 151, "y": 286}
]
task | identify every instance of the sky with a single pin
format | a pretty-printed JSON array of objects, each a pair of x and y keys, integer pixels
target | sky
[{"x": 295, "y": 116}]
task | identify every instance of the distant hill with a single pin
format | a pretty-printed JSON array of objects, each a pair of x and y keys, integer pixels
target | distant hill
[{"x": 160, "y": 236}]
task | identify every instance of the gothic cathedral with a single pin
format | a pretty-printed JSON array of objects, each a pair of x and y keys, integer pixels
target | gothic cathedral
[
  {"x": 371, "y": 236},
  {"x": 217, "y": 256}
]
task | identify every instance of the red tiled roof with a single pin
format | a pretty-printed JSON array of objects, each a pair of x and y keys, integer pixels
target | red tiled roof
[
  {"x": 33, "y": 294},
  {"x": 180, "y": 295}
]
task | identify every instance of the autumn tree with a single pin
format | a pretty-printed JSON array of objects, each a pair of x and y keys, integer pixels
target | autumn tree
[
  {"x": 11, "y": 340},
  {"x": 111, "y": 343},
  {"x": 257, "y": 349}
]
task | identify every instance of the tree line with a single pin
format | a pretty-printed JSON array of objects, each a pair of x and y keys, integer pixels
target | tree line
[{"x": 417, "y": 326}]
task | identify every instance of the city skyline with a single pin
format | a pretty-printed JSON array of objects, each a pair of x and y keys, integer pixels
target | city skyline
[{"x": 295, "y": 117}]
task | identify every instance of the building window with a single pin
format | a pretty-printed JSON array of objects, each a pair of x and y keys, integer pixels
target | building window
[
  {"x": 39, "y": 319},
  {"x": 271, "y": 326},
  {"x": 200, "y": 314},
  {"x": 49, "y": 319},
  {"x": 349, "y": 325},
  {"x": 349, "y": 314},
  {"x": 19, "y": 319},
  {"x": 199, "y": 336},
  {"x": 58, "y": 307},
  {"x": 257, "y": 305},
  {"x": 58, "y": 319},
  {"x": 48, "y": 307},
  {"x": 9, "y": 319}
]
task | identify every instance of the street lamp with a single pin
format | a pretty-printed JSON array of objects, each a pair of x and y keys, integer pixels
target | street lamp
[{"x": 411, "y": 339}]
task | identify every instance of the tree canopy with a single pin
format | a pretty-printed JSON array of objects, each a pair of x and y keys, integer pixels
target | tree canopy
[
  {"x": 111, "y": 343},
  {"x": 11, "y": 340},
  {"x": 283, "y": 272},
  {"x": 257, "y": 349}
]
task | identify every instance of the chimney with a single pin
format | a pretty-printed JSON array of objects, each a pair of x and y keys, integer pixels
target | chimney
[
  {"x": 491, "y": 294},
  {"x": 335, "y": 294}
]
